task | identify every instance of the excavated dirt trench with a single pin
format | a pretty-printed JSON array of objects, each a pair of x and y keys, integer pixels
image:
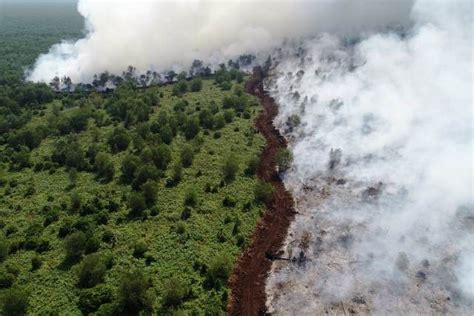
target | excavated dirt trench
[{"x": 247, "y": 282}]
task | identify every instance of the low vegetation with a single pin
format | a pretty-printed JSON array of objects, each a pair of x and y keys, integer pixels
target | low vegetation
[
  {"x": 136, "y": 200},
  {"x": 149, "y": 180}
]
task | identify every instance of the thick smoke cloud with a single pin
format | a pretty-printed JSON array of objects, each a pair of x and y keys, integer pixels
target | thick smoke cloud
[
  {"x": 383, "y": 170},
  {"x": 160, "y": 35}
]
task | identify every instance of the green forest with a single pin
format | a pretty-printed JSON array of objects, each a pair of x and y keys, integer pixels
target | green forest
[{"x": 136, "y": 200}]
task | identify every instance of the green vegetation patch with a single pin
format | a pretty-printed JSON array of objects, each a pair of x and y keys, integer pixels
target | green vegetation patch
[{"x": 128, "y": 201}]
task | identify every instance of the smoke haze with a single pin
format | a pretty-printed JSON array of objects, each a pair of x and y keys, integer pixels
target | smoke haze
[
  {"x": 160, "y": 35},
  {"x": 382, "y": 172}
]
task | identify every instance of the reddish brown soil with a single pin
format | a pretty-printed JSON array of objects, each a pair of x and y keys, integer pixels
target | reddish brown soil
[{"x": 247, "y": 282}]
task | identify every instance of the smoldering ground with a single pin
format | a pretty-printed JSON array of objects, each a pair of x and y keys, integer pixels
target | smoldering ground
[
  {"x": 381, "y": 133},
  {"x": 379, "y": 122}
]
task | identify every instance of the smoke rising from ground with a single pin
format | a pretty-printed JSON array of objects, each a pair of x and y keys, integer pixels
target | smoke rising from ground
[
  {"x": 383, "y": 170},
  {"x": 160, "y": 35},
  {"x": 383, "y": 151}
]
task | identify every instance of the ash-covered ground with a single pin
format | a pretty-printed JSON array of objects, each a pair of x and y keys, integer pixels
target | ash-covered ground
[{"x": 381, "y": 131}]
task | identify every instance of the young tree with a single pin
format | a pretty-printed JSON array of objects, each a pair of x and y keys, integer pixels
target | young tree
[
  {"x": 187, "y": 156},
  {"x": 263, "y": 192},
  {"x": 190, "y": 198},
  {"x": 283, "y": 159},
  {"x": 206, "y": 119},
  {"x": 175, "y": 292},
  {"x": 180, "y": 88},
  {"x": 104, "y": 166},
  {"x": 196, "y": 85},
  {"x": 182, "y": 76},
  {"x": 161, "y": 156},
  {"x": 139, "y": 249},
  {"x": 36, "y": 263},
  {"x": 177, "y": 172},
  {"x": 132, "y": 294},
  {"x": 218, "y": 271},
  {"x": 14, "y": 302},
  {"x": 119, "y": 139},
  {"x": 219, "y": 121},
  {"x": 252, "y": 166},
  {"x": 166, "y": 134},
  {"x": 170, "y": 76},
  {"x": 72, "y": 176},
  {"x": 75, "y": 245},
  {"x": 229, "y": 115},
  {"x": 76, "y": 202},
  {"x": 91, "y": 271},
  {"x": 230, "y": 168},
  {"x": 191, "y": 128},
  {"x": 137, "y": 204},
  {"x": 150, "y": 191},
  {"x": 4, "y": 247},
  {"x": 129, "y": 167}
]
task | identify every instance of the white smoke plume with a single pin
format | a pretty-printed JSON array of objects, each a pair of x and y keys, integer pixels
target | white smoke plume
[
  {"x": 383, "y": 169},
  {"x": 161, "y": 35},
  {"x": 382, "y": 172}
]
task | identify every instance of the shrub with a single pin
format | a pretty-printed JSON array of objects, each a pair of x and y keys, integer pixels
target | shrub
[
  {"x": 180, "y": 88},
  {"x": 92, "y": 244},
  {"x": 161, "y": 156},
  {"x": 129, "y": 167},
  {"x": 104, "y": 166},
  {"x": 186, "y": 213},
  {"x": 102, "y": 218},
  {"x": 6, "y": 279},
  {"x": 229, "y": 201},
  {"x": 196, "y": 85},
  {"x": 252, "y": 166},
  {"x": 263, "y": 192},
  {"x": 150, "y": 191},
  {"x": 177, "y": 172},
  {"x": 14, "y": 302},
  {"x": 226, "y": 85},
  {"x": 108, "y": 236},
  {"x": 76, "y": 202},
  {"x": 92, "y": 300},
  {"x": 166, "y": 134},
  {"x": 218, "y": 271},
  {"x": 119, "y": 139},
  {"x": 21, "y": 159},
  {"x": 175, "y": 292},
  {"x": 293, "y": 121},
  {"x": 229, "y": 115},
  {"x": 72, "y": 176},
  {"x": 132, "y": 293},
  {"x": 283, "y": 159},
  {"x": 75, "y": 245},
  {"x": 4, "y": 248},
  {"x": 219, "y": 121},
  {"x": 139, "y": 249},
  {"x": 190, "y": 198},
  {"x": 137, "y": 204},
  {"x": 36, "y": 263},
  {"x": 181, "y": 228},
  {"x": 230, "y": 168},
  {"x": 191, "y": 128},
  {"x": 206, "y": 119},
  {"x": 91, "y": 271},
  {"x": 187, "y": 156},
  {"x": 144, "y": 173}
]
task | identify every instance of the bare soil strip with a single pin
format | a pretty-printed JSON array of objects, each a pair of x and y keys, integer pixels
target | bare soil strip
[{"x": 247, "y": 282}]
